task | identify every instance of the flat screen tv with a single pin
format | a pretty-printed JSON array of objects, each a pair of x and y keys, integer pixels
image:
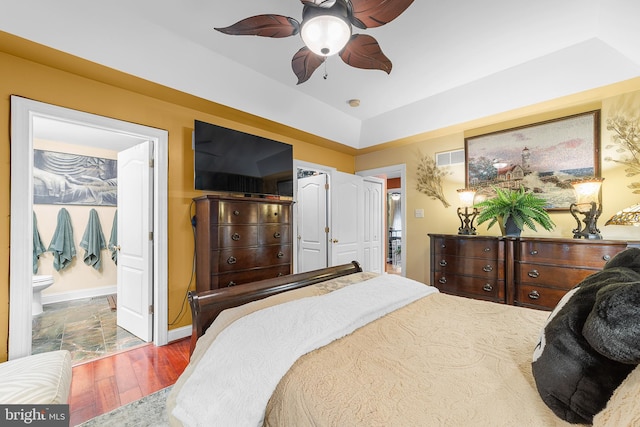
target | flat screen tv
[{"x": 230, "y": 161}]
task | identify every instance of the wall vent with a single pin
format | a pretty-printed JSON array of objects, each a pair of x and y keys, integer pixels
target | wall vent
[{"x": 446, "y": 158}]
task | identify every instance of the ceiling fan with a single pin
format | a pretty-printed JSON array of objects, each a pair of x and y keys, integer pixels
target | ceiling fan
[{"x": 326, "y": 30}]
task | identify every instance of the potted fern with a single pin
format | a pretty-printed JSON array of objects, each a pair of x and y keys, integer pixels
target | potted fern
[{"x": 513, "y": 210}]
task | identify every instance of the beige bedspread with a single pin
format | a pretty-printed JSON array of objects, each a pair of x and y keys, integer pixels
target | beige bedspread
[{"x": 440, "y": 361}]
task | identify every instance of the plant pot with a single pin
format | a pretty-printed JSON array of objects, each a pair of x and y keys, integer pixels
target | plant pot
[{"x": 510, "y": 228}]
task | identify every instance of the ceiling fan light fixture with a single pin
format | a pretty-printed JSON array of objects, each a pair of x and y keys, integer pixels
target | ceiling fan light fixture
[{"x": 325, "y": 31}]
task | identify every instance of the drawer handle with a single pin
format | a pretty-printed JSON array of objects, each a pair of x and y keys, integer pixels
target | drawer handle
[
  {"x": 235, "y": 237},
  {"x": 487, "y": 287},
  {"x": 236, "y": 212},
  {"x": 276, "y": 235},
  {"x": 534, "y": 273},
  {"x": 606, "y": 257},
  {"x": 231, "y": 283},
  {"x": 280, "y": 255},
  {"x": 442, "y": 280},
  {"x": 443, "y": 263},
  {"x": 534, "y": 294},
  {"x": 487, "y": 268},
  {"x": 280, "y": 274},
  {"x": 534, "y": 252},
  {"x": 487, "y": 249},
  {"x": 232, "y": 260}
]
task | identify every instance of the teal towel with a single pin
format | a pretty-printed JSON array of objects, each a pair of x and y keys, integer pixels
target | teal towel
[
  {"x": 38, "y": 247},
  {"x": 93, "y": 241},
  {"x": 113, "y": 239},
  {"x": 62, "y": 246}
]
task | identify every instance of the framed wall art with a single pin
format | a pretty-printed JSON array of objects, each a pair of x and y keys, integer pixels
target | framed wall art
[
  {"x": 543, "y": 157},
  {"x": 71, "y": 179}
]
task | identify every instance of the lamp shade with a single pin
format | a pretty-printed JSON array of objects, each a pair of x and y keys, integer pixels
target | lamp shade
[
  {"x": 587, "y": 190},
  {"x": 326, "y": 30},
  {"x": 466, "y": 196},
  {"x": 325, "y": 35},
  {"x": 627, "y": 216}
]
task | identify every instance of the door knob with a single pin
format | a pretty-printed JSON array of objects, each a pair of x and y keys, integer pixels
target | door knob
[{"x": 334, "y": 240}]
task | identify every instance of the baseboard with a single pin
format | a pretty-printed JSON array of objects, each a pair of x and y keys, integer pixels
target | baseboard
[
  {"x": 179, "y": 333},
  {"x": 83, "y": 293}
]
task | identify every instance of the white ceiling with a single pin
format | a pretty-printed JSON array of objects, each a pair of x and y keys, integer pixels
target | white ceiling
[
  {"x": 453, "y": 61},
  {"x": 49, "y": 129}
]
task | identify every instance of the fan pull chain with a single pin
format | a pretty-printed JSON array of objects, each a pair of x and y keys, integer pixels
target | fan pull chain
[{"x": 326, "y": 74}]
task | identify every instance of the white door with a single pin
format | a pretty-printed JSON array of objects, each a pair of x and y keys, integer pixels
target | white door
[
  {"x": 135, "y": 241},
  {"x": 373, "y": 243},
  {"x": 312, "y": 223},
  {"x": 347, "y": 218}
]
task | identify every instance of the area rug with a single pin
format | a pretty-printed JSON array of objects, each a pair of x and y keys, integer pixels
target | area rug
[{"x": 150, "y": 411}]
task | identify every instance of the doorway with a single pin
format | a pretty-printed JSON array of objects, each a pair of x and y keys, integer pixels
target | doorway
[
  {"x": 23, "y": 114},
  {"x": 395, "y": 176}
]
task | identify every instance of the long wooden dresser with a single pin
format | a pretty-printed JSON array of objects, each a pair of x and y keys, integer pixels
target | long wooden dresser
[
  {"x": 241, "y": 240},
  {"x": 526, "y": 271}
]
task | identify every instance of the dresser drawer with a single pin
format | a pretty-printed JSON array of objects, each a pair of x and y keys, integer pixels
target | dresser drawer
[
  {"x": 233, "y": 259},
  {"x": 233, "y": 236},
  {"x": 273, "y": 255},
  {"x": 237, "y": 212},
  {"x": 469, "y": 247},
  {"x": 243, "y": 277},
  {"x": 486, "y": 268},
  {"x": 272, "y": 234},
  {"x": 538, "y": 296},
  {"x": 556, "y": 276},
  {"x": 476, "y": 287},
  {"x": 274, "y": 213},
  {"x": 576, "y": 254}
]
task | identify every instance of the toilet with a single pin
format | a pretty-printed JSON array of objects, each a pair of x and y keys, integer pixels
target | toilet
[{"x": 40, "y": 283}]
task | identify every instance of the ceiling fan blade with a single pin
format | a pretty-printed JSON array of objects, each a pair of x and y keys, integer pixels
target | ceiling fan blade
[
  {"x": 319, "y": 3},
  {"x": 276, "y": 26},
  {"x": 363, "y": 51},
  {"x": 375, "y": 13},
  {"x": 304, "y": 63}
]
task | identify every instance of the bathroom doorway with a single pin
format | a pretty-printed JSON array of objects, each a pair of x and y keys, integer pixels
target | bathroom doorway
[{"x": 24, "y": 112}]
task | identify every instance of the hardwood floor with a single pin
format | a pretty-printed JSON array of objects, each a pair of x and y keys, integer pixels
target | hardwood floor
[{"x": 104, "y": 384}]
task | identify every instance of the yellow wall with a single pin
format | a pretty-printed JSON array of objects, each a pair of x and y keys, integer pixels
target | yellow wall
[
  {"x": 36, "y": 72},
  {"x": 622, "y": 98}
]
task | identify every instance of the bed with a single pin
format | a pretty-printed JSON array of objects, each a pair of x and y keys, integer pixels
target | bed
[{"x": 426, "y": 358}]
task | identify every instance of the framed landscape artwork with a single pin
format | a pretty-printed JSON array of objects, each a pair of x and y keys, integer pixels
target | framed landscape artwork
[{"x": 544, "y": 158}]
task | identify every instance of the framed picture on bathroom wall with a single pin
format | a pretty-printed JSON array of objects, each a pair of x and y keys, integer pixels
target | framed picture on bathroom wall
[
  {"x": 542, "y": 157},
  {"x": 72, "y": 179}
]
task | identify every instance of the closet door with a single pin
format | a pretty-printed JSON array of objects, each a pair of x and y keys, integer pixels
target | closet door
[
  {"x": 347, "y": 218},
  {"x": 312, "y": 223}
]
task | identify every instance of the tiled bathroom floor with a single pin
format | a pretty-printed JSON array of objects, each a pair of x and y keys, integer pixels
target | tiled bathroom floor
[{"x": 86, "y": 327}]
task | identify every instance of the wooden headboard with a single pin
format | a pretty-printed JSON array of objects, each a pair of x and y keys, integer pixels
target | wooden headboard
[{"x": 206, "y": 306}]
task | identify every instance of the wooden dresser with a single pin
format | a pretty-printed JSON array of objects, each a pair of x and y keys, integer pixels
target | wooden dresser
[
  {"x": 470, "y": 266},
  {"x": 241, "y": 240},
  {"x": 526, "y": 271},
  {"x": 545, "y": 269}
]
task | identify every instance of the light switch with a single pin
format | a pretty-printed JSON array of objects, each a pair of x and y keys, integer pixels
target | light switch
[{"x": 419, "y": 213}]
